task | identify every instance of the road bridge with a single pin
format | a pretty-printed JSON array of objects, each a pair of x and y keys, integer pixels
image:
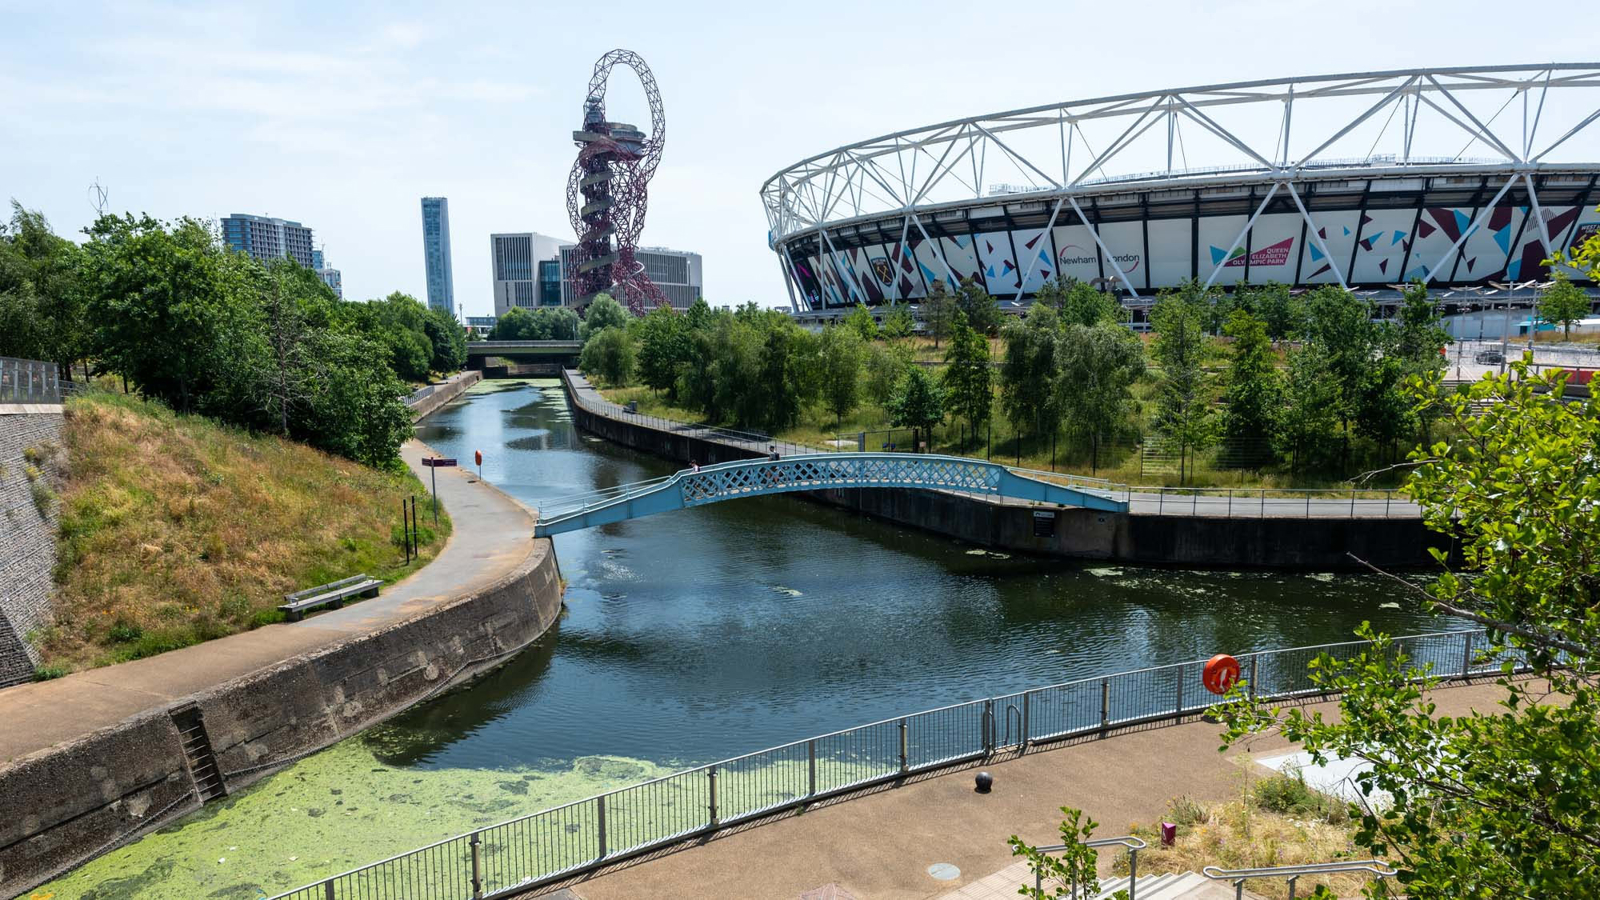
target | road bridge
[{"x": 761, "y": 477}]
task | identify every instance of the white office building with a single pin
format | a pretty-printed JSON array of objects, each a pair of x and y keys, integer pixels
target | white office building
[
  {"x": 526, "y": 270},
  {"x": 677, "y": 272}
]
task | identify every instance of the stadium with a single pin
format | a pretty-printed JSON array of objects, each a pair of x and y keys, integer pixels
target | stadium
[{"x": 1464, "y": 178}]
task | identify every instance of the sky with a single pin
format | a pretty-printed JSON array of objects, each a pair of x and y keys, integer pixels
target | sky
[{"x": 343, "y": 115}]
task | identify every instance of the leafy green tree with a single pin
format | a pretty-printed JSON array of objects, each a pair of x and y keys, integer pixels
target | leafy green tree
[
  {"x": 1068, "y": 873},
  {"x": 1564, "y": 303},
  {"x": 448, "y": 339},
  {"x": 1308, "y": 422},
  {"x": 1029, "y": 370},
  {"x": 842, "y": 354},
  {"x": 609, "y": 353},
  {"x": 42, "y": 312},
  {"x": 514, "y": 325},
  {"x": 1077, "y": 302},
  {"x": 968, "y": 378},
  {"x": 358, "y": 411},
  {"x": 1419, "y": 337},
  {"x": 398, "y": 322},
  {"x": 1254, "y": 394},
  {"x": 603, "y": 312},
  {"x": 860, "y": 318},
  {"x": 885, "y": 365},
  {"x": 918, "y": 404},
  {"x": 780, "y": 381},
  {"x": 663, "y": 346},
  {"x": 1502, "y": 801},
  {"x": 1183, "y": 402},
  {"x": 1098, "y": 368},
  {"x": 982, "y": 311},
  {"x": 156, "y": 304},
  {"x": 1341, "y": 325},
  {"x": 555, "y": 323},
  {"x": 898, "y": 323},
  {"x": 1279, "y": 311},
  {"x": 938, "y": 311}
]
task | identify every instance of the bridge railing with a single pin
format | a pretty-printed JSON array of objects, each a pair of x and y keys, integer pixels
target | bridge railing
[{"x": 554, "y": 843}]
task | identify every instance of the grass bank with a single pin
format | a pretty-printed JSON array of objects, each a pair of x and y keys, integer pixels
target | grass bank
[{"x": 175, "y": 529}]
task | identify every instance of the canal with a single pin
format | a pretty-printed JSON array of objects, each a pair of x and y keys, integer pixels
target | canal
[{"x": 701, "y": 634}]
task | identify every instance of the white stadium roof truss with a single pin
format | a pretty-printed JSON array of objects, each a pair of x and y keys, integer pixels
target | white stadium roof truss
[{"x": 1523, "y": 120}]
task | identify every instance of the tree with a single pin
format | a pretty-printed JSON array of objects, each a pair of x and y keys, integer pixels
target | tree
[
  {"x": 156, "y": 304},
  {"x": 1341, "y": 325},
  {"x": 1098, "y": 368},
  {"x": 938, "y": 311},
  {"x": 41, "y": 296},
  {"x": 448, "y": 338},
  {"x": 885, "y": 365},
  {"x": 1254, "y": 393},
  {"x": 968, "y": 379},
  {"x": 1078, "y": 302},
  {"x": 1564, "y": 303},
  {"x": 842, "y": 353},
  {"x": 609, "y": 353},
  {"x": 1279, "y": 311},
  {"x": 1500, "y": 802},
  {"x": 1183, "y": 401},
  {"x": 898, "y": 323},
  {"x": 1069, "y": 872},
  {"x": 918, "y": 404},
  {"x": 1029, "y": 370},
  {"x": 982, "y": 311},
  {"x": 514, "y": 325},
  {"x": 860, "y": 318},
  {"x": 780, "y": 378},
  {"x": 603, "y": 312},
  {"x": 663, "y": 347},
  {"x": 1310, "y": 412}
]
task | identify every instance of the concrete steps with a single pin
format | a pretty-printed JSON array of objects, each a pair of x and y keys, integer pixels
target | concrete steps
[{"x": 1172, "y": 886}]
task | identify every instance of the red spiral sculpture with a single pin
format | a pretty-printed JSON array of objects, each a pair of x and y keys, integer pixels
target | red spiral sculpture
[{"x": 607, "y": 190}]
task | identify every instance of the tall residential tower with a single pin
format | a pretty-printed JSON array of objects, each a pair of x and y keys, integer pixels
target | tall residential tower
[{"x": 436, "y": 252}]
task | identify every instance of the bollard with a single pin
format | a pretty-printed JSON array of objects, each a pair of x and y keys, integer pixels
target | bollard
[
  {"x": 711, "y": 775},
  {"x": 1105, "y": 703},
  {"x": 903, "y": 767},
  {"x": 477, "y": 866}
]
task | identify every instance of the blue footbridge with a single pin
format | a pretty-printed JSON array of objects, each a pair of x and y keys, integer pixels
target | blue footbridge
[{"x": 826, "y": 471}]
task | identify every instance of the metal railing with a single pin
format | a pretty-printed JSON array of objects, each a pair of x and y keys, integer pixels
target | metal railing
[
  {"x": 555, "y": 843},
  {"x": 30, "y": 381},
  {"x": 1133, "y": 844},
  {"x": 1294, "y": 873}
]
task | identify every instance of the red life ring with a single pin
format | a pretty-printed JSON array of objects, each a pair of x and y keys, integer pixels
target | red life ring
[{"x": 1222, "y": 672}]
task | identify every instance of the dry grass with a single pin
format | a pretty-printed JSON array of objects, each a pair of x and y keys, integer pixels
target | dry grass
[
  {"x": 175, "y": 530},
  {"x": 1278, "y": 821}
]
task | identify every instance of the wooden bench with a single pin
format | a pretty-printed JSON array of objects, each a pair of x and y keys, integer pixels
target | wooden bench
[{"x": 333, "y": 594}]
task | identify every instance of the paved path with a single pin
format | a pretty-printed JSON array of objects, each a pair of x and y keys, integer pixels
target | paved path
[
  {"x": 493, "y": 534},
  {"x": 1238, "y": 503},
  {"x": 879, "y": 846}
]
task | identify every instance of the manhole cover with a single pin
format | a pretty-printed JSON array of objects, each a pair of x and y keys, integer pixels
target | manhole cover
[{"x": 944, "y": 871}]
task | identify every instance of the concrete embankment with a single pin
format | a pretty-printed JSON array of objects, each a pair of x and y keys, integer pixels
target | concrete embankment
[
  {"x": 426, "y": 404},
  {"x": 1315, "y": 542},
  {"x": 94, "y": 759}
]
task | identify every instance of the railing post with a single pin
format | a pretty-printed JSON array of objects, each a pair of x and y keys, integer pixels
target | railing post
[
  {"x": 711, "y": 777},
  {"x": 1161, "y": 500},
  {"x": 1308, "y": 504},
  {"x": 1230, "y": 503},
  {"x": 600, "y": 824},
  {"x": 1352, "y": 515},
  {"x": 477, "y": 866},
  {"x": 1292, "y": 880},
  {"x": 988, "y": 727},
  {"x": 903, "y": 767},
  {"x": 327, "y": 889},
  {"x": 1105, "y": 703},
  {"x": 1026, "y": 696},
  {"x": 1466, "y": 655},
  {"x": 1179, "y": 710},
  {"x": 1254, "y": 658},
  {"x": 1388, "y": 497},
  {"x": 1194, "y": 502},
  {"x": 811, "y": 766}
]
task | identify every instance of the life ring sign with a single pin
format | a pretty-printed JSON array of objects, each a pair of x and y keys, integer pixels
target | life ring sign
[{"x": 1221, "y": 673}]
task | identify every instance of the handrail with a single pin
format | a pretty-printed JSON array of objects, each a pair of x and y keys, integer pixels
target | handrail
[
  {"x": 1294, "y": 873},
  {"x": 1134, "y": 845},
  {"x": 605, "y": 828}
]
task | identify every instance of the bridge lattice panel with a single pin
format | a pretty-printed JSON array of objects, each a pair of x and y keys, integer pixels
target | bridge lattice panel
[{"x": 813, "y": 474}]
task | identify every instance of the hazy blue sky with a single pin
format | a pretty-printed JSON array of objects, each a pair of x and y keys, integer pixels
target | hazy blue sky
[{"x": 343, "y": 115}]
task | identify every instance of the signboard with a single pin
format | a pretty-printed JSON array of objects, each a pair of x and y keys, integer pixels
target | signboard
[
  {"x": 1044, "y": 523},
  {"x": 438, "y": 462}
]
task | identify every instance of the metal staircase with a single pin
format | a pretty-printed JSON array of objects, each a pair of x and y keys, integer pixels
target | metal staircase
[{"x": 208, "y": 783}]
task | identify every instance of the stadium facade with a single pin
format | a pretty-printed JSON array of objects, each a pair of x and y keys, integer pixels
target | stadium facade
[{"x": 1462, "y": 178}]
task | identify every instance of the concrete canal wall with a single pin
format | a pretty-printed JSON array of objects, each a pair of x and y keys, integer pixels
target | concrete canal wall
[
  {"x": 422, "y": 407},
  {"x": 1317, "y": 543}
]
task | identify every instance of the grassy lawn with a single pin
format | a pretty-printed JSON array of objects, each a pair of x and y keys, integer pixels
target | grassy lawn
[{"x": 175, "y": 530}]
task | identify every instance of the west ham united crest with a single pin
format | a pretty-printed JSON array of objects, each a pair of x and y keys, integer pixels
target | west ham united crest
[{"x": 882, "y": 269}]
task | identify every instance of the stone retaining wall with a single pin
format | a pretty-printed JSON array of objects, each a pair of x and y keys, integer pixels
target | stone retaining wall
[
  {"x": 27, "y": 536},
  {"x": 445, "y": 393},
  {"x": 1279, "y": 542},
  {"x": 63, "y": 806}
]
